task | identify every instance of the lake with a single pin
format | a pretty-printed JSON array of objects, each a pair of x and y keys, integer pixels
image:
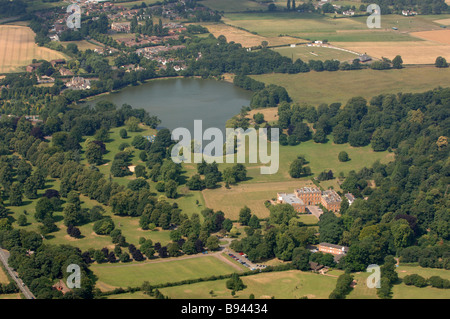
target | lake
[{"x": 178, "y": 102}]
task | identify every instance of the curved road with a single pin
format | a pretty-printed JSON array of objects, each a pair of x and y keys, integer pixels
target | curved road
[{"x": 4, "y": 255}]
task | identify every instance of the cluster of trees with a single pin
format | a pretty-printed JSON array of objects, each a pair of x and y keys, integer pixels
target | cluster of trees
[
  {"x": 423, "y": 6},
  {"x": 12, "y": 8},
  {"x": 436, "y": 256},
  {"x": 433, "y": 281},
  {"x": 280, "y": 237},
  {"x": 298, "y": 169},
  {"x": 48, "y": 263},
  {"x": 269, "y": 96},
  {"x": 343, "y": 287}
]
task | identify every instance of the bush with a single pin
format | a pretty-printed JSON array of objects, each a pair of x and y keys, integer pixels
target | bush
[
  {"x": 415, "y": 280},
  {"x": 104, "y": 226}
]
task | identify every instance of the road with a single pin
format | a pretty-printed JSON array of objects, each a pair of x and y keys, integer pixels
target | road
[{"x": 4, "y": 255}]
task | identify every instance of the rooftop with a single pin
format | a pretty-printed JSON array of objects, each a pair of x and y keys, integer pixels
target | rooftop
[{"x": 290, "y": 198}]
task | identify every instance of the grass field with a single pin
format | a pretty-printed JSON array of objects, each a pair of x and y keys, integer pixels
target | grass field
[
  {"x": 82, "y": 45},
  {"x": 306, "y": 53},
  {"x": 412, "y": 52},
  {"x": 315, "y": 88},
  {"x": 17, "y": 49},
  {"x": 234, "y": 5},
  {"x": 440, "y": 36},
  {"x": 134, "y": 274},
  {"x": 3, "y": 277},
  {"x": 402, "y": 291},
  {"x": 243, "y": 37},
  {"x": 291, "y": 284},
  {"x": 313, "y": 26},
  {"x": 259, "y": 188}
]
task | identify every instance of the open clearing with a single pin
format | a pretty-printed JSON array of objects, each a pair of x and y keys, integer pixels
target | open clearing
[
  {"x": 234, "y": 5},
  {"x": 134, "y": 274},
  {"x": 17, "y": 49},
  {"x": 317, "y": 27},
  {"x": 230, "y": 201},
  {"x": 245, "y": 38},
  {"x": 3, "y": 278},
  {"x": 292, "y": 284},
  {"x": 440, "y": 36},
  {"x": 270, "y": 113},
  {"x": 412, "y": 52},
  {"x": 259, "y": 188},
  {"x": 315, "y": 88},
  {"x": 306, "y": 53}
]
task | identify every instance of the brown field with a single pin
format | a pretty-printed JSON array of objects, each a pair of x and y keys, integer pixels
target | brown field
[
  {"x": 3, "y": 277},
  {"x": 270, "y": 114},
  {"x": 245, "y": 38},
  {"x": 443, "y": 21},
  {"x": 440, "y": 36},
  {"x": 412, "y": 52},
  {"x": 17, "y": 49},
  {"x": 82, "y": 45},
  {"x": 230, "y": 201}
]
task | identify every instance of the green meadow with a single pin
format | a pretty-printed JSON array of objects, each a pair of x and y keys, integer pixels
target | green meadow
[
  {"x": 315, "y": 88},
  {"x": 134, "y": 274},
  {"x": 292, "y": 284}
]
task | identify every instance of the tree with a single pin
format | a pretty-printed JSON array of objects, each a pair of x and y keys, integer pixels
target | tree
[
  {"x": 397, "y": 63},
  {"x": 254, "y": 222},
  {"x": 441, "y": 62},
  {"x": 94, "y": 153},
  {"x": 343, "y": 156},
  {"x": 170, "y": 189},
  {"x": 300, "y": 258},
  {"x": 244, "y": 215},
  {"x": 22, "y": 220},
  {"x": 15, "y": 194},
  {"x": 103, "y": 226},
  {"x": 44, "y": 208},
  {"x": 133, "y": 124},
  {"x": 72, "y": 215},
  {"x": 297, "y": 170},
  {"x": 235, "y": 283},
  {"x": 212, "y": 243},
  {"x": 195, "y": 183},
  {"x": 123, "y": 133}
]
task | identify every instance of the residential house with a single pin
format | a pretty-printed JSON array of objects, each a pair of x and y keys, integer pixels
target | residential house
[
  {"x": 79, "y": 83},
  {"x": 32, "y": 67},
  {"x": 350, "y": 197}
]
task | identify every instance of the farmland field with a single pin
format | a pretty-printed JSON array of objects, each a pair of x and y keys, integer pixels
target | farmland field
[
  {"x": 245, "y": 38},
  {"x": 312, "y": 26},
  {"x": 412, "y": 52},
  {"x": 314, "y": 88},
  {"x": 307, "y": 53},
  {"x": 17, "y": 49},
  {"x": 233, "y": 5},
  {"x": 440, "y": 36},
  {"x": 134, "y": 274},
  {"x": 3, "y": 277},
  {"x": 291, "y": 284}
]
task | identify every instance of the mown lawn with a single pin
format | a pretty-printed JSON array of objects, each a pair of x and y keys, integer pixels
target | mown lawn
[
  {"x": 134, "y": 274},
  {"x": 292, "y": 284},
  {"x": 315, "y": 88}
]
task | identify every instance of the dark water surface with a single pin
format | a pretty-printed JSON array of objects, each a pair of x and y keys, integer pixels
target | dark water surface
[{"x": 178, "y": 102}]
